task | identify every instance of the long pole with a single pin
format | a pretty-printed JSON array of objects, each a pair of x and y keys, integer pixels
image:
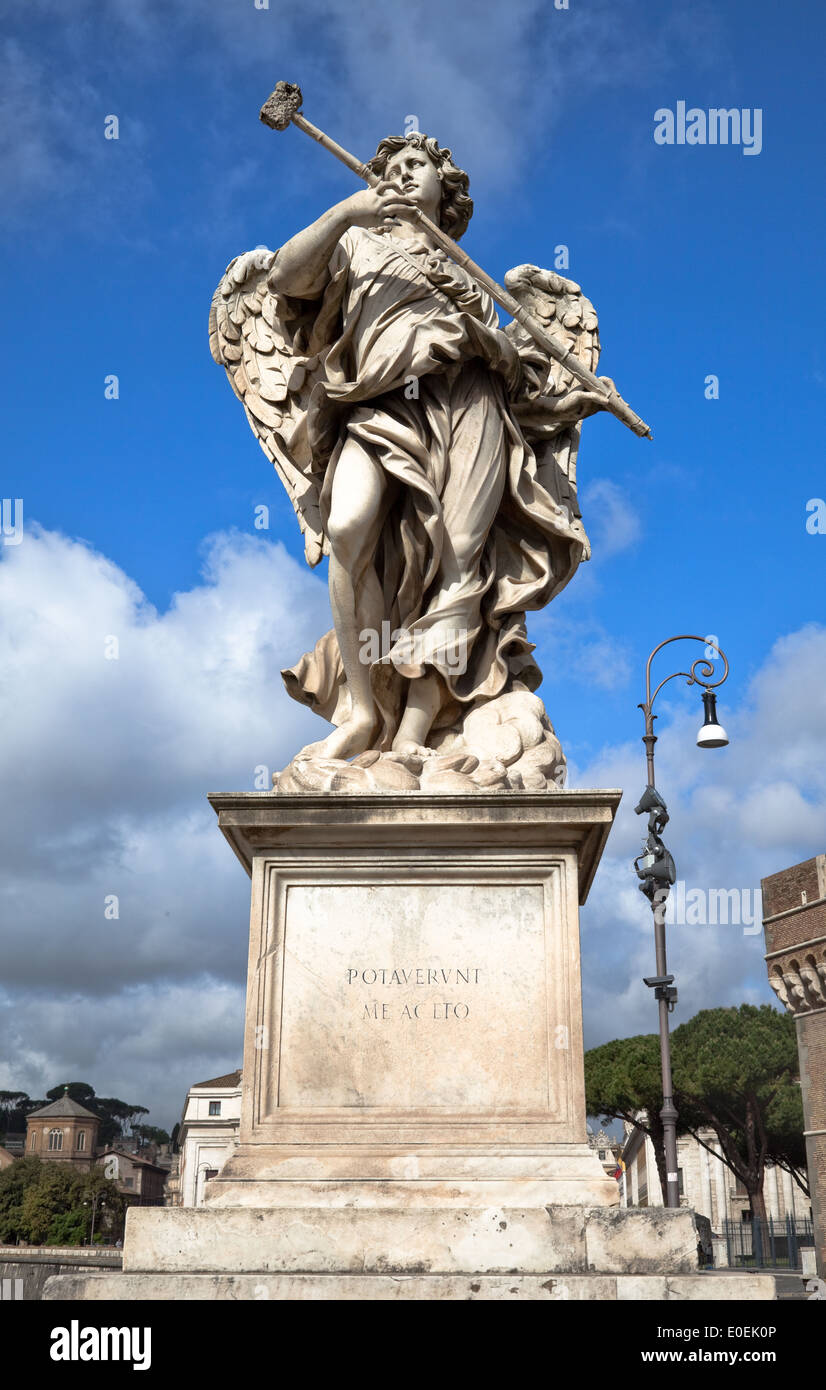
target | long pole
[
  {"x": 663, "y": 991},
  {"x": 668, "y": 1113},
  {"x": 281, "y": 103}
]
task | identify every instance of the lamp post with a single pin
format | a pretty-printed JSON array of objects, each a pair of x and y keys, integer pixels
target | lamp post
[
  {"x": 202, "y": 1168},
  {"x": 93, "y": 1203},
  {"x": 655, "y": 867}
]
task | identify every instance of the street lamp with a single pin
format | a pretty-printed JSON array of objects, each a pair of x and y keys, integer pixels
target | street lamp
[
  {"x": 202, "y": 1168},
  {"x": 93, "y": 1203},
  {"x": 655, "y": 867}
]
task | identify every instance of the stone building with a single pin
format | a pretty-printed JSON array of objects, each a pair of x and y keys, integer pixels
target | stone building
[
  {"x": 608, "y": 1150},
  {"x": 63, "y": 1132},
  {"x": 794, "y": 924},
  {"x": 208, "y": 1134},
  {"x": 135, "y": 1176}
]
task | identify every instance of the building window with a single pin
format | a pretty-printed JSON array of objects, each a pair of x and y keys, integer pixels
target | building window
[
  {"x": 55, "y": 1139},
  {"x": 680, "y": 1187},
  {"x": 129, "y": 1182},
  {"x": 215, "y": 1107},
  {"x": 33, "y": 1144},
  {"x": 81, "y": 1140}
]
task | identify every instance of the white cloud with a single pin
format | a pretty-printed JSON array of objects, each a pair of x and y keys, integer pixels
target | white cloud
[
  {"x": 613, "y": 521},
  {"x": 106, "y": 769},
  {"x": 578, "y": 649},
  {"x": 737, "y": 815},
  {"x": 107, "y": 764},
  {"x": 142, "y": 1044}
]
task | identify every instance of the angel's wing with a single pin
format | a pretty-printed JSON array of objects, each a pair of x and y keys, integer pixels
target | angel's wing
[
  {"x": 560, "y": 307},
  {"x": 261, "y": 338}
]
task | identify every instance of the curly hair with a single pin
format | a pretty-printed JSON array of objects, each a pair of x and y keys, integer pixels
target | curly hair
[{"x": 457, "y": 207}]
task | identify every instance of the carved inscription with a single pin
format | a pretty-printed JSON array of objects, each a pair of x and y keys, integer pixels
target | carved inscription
[{"x": 385, "y": 1010}]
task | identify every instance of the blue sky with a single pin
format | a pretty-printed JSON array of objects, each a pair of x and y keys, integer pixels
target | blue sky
[{"x": 700, "y": 260}]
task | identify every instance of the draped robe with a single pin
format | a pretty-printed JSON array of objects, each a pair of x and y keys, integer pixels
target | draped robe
[{"x": 421, "y": 376}]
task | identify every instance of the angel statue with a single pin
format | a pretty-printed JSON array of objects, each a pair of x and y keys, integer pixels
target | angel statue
[{"x": 431, "y": 454}]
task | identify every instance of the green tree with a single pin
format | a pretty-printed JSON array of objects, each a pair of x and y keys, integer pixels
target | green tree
[
  {"x": 53, "y": 1193},
  {"x": 732, "y": 1071},
  {"x": 68, "y": 1227},
  {"x": 784, "y": 1128},
  {"x": 150, "y": 1134},
  {"x": 14, "y": 1107},
  {"x": 622, "y": 1080},
  {"x": 80, "y": 1091},
  {"x": 110, "y": 1204},
  {"x": 117, "y": 1118},
  {"x": 14, "y": 1182},
  {"x": 51, "y": 1203}
]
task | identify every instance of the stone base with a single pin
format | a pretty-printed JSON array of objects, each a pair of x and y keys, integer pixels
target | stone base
[
  {"x": 404, "y": 1240},
  {"x": 412, "y": 1252},
  {"x": 364, "y": 1288},
  {"x": 355, "y": 1176}
]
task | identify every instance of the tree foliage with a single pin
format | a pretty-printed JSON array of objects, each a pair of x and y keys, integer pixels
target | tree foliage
[
  {"x": 733, "y": 1070},
  {"x": 14, "y": 1107},
  {"x": 51, "y": 1203},
  {"x": 150, "y": 1134},
  {"x": 622, "y": 1080}
]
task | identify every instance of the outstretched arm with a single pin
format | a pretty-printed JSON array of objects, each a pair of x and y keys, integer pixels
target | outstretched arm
[{"x": 300, "y": 269}]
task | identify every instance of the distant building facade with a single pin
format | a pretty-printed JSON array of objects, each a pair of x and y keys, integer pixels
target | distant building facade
[
  {"x": 208, "y": 1134},
  {"x": 794, "y": 925},
  {"x": 135, "y": 1176},
  {"x": 63, "y": 1132},
  {"x": 607, "y": 1150}
]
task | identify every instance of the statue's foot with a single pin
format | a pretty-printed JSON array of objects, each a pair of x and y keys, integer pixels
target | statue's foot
[
  {"x": 407, "y": 748},
  {"x": 352, "y": 737}
]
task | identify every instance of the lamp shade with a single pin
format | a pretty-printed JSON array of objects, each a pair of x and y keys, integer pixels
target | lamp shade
[{"x": 712, "y": 734}]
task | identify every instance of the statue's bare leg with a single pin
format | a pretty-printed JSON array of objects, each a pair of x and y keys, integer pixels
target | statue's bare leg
[
  {"x": 358, "y": 505},
  {"x": 423, "y": 703}
]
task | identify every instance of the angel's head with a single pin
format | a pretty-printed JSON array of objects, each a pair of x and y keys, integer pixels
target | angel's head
[{"x": 427, "y": 171}]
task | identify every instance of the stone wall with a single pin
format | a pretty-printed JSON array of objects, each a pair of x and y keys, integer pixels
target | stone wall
[
  {"x": 794, "y": 906},
  {"x": 25, "y": 1269}
]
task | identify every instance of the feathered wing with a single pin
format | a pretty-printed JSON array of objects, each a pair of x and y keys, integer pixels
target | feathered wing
[
  {"x": 562, "y": 309},
  {"x": 262, "y": 339}
]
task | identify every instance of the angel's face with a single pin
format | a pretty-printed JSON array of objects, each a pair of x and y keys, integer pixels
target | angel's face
[{"x": 416, "y": 175}]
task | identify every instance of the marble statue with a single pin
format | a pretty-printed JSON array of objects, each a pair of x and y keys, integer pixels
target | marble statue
[{"x": 431, "y": 454}]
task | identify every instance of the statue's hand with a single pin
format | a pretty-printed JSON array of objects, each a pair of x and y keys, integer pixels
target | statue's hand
[
  {"x": 371, "y": 207},
  {"x": 584, "y": 403}
]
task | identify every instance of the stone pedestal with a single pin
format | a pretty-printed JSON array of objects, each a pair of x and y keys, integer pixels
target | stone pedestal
[
  {"x": 414, "y": 1024},
  {"x": 413, "y": 1112}
]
